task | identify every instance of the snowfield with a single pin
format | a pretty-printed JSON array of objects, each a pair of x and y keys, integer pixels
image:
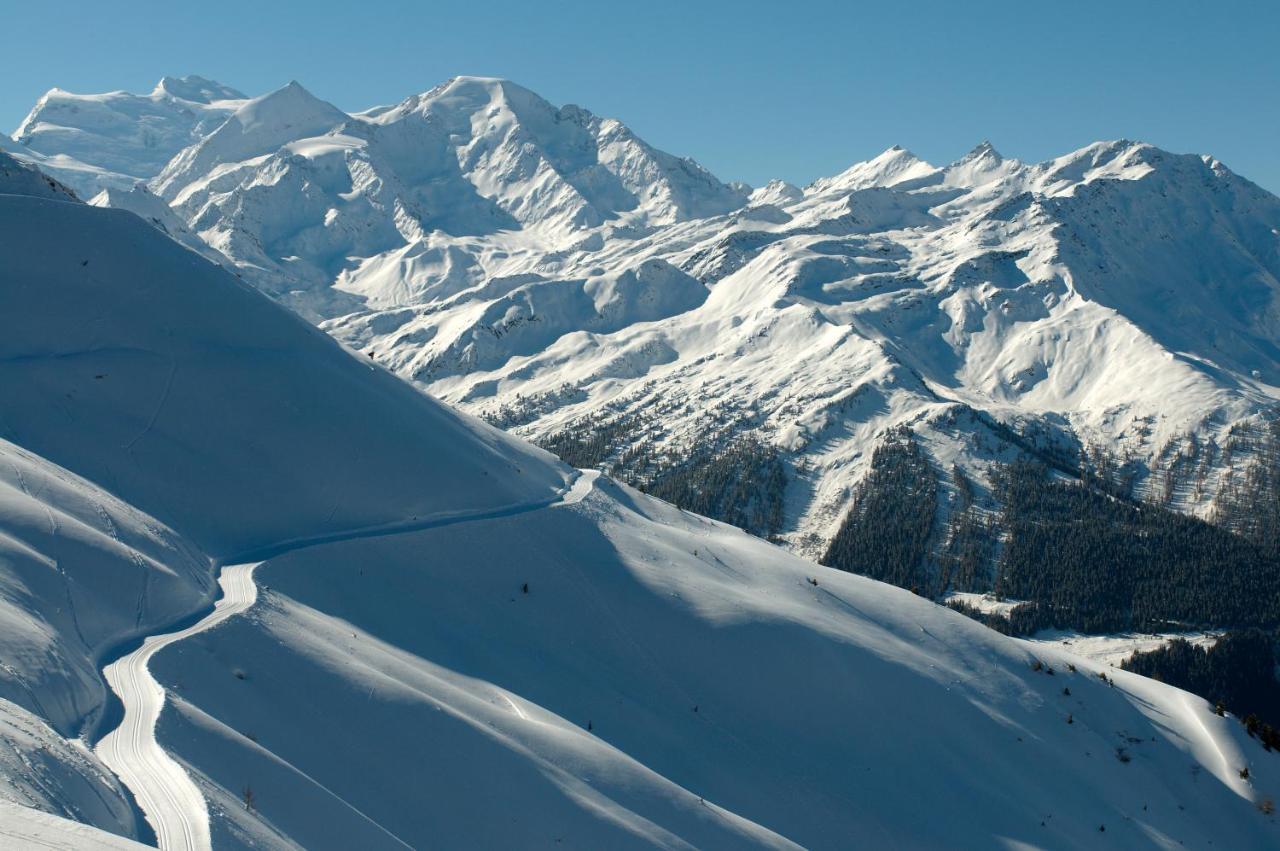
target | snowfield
[
  {"x": 452, "y": 639},
  {"x": 1115, "y": 649}
]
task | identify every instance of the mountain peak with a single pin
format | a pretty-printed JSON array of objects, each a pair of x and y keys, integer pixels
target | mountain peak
[
  {"x": 289, "y": 105},
  {"x": 196, "y": 89},
  {"x": 292, "y": 90},
  {"x": 982, "y": 150},
  {"x": 890, "y": 167},
  {"x": 895, "y": 152},
  {"x": 777, "y": 191},
  {"x": 260, "y": 126}
]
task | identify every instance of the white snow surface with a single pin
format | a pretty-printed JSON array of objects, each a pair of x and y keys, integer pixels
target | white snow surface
[
  {"x": 24, "y": 829},
  {"x": 671, "y": 681},
  {"x": 1115, "y": 648},
  {"x": 143, "y": 203},
  {"x": 41, "y": 770},
  {"x": 985, "y": 603}
]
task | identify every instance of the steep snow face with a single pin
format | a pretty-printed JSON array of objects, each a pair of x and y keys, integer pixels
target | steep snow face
[
  {"x": 80, "y": 572},
  {"x": 21, "y": 177},
  {"x": 119, "y": 137},
  {"x": 25, "y": 827},
  {"x": 435, "y": 611},
  {"x": 43, "y": 771}
]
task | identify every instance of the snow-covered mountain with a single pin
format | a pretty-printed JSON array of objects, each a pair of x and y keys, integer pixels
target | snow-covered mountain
[
  {"x": 116, "y": 139},
  {"x": 457, "y": 640},
  {"x": 547, "y": 270},
  {"x": 478, "y": 159}
]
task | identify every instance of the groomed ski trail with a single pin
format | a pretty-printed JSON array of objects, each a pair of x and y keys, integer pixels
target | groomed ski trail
[{"x": 169, "y": 798}]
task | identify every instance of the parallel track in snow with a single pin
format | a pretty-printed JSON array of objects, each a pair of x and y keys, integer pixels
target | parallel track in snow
[{"x": 169, "y": 798}]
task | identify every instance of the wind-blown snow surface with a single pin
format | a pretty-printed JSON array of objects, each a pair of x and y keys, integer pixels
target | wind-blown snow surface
[
  {"x": 545, "y": 268},
  {"x": 606, "y": 672}
]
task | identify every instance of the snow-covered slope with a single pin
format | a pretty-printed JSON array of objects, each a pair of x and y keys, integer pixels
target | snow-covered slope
[
  {"x": 23, "y": 828},
  {"x": 20, "y": 176},
  {"x": 532, "y": 666},
  {"x": 150, "y": 208},
  {"x": 667, "y": 680},
  {"x": 92, "y": 142}
]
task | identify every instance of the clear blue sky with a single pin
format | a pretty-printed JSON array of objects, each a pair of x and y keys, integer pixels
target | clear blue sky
[{"x": 796, "y": 89}]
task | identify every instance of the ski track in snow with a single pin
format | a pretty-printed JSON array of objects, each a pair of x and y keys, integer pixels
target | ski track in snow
[{"x": 169, "y": 798}]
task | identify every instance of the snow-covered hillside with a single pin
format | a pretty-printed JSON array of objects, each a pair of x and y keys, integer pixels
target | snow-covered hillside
[{"x": 452, "y": 645}]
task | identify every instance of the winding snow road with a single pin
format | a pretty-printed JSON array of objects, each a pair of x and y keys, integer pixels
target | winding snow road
[{"x": 169, "y": 798}]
